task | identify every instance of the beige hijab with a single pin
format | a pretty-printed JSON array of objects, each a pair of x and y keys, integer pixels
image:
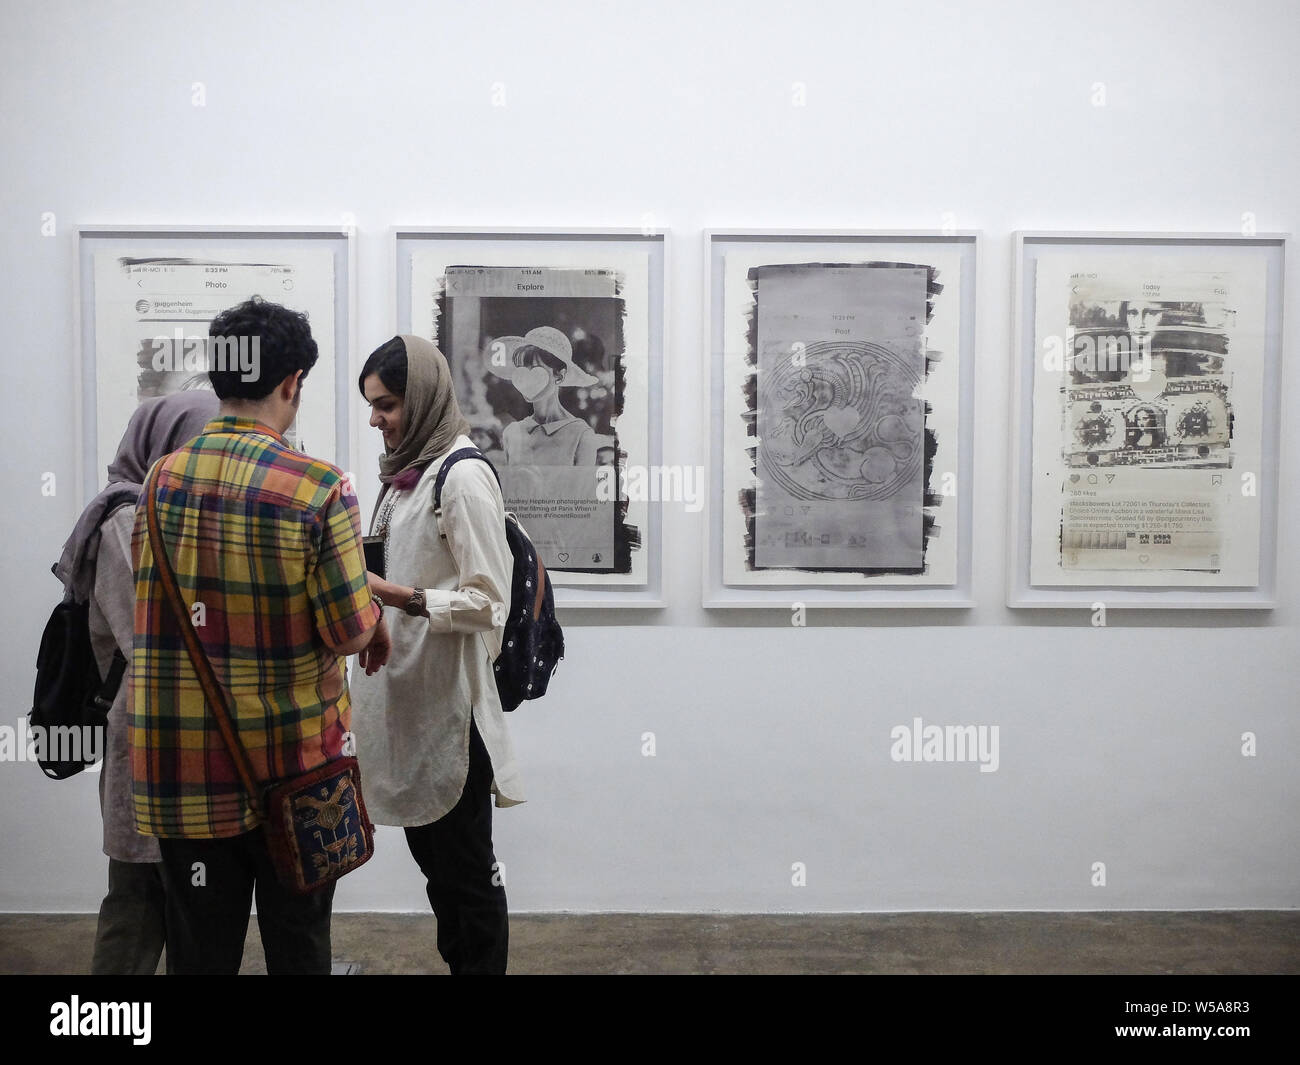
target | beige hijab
[{"x": 431, "y": 418}]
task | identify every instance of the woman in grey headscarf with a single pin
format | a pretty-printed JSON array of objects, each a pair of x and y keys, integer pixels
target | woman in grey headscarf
[
  {"x": 431, "y": 735},
  {"x": 96, "y": 566}
]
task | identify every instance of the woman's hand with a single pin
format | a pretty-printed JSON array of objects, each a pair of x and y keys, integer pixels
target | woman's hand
[
  {"x": 390, "y": 594},
  {"x": 382, "y": 588}
]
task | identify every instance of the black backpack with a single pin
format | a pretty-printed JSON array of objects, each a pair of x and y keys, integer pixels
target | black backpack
[
  {"x": 71, "y": 697},
  {"x": 533, "y": 643}
]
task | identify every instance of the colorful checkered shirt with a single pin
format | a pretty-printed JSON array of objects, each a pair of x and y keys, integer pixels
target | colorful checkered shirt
[{"x": 266, "y": 545}]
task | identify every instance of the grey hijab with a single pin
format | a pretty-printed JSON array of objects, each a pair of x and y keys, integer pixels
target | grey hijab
[{"x": 157, "y": 427}]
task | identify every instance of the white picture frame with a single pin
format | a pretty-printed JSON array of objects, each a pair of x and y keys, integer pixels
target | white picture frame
[
  {"x": 958, "y": 251},
  {"x": 1258, "y": 255},
  {"x": 328, "y": 248},
  {"x": 417, "y": 252}
]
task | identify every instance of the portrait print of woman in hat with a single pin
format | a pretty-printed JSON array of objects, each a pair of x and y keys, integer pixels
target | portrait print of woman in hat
[{"x": 539, "y": 364}]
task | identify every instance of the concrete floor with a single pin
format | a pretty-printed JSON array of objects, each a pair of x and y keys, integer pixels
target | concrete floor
[{"x": 1210, "y": 942}]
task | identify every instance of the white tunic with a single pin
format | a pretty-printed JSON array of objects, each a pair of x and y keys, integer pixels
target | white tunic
[{"x": 412, "y": 718}]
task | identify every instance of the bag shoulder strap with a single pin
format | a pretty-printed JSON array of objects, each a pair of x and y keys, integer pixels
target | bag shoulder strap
[
  {"x": 120, "y": 498},
  {"x": 116, "y": 500},
  {"x": 108, "y": 690},
  {"x": 117, "y": 667},
  {"x": 212, "y": 689},
  {"x": 448, "y": 463}
]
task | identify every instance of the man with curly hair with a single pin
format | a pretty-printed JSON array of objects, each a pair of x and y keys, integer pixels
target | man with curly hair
[{"x": 266, "y": 546}]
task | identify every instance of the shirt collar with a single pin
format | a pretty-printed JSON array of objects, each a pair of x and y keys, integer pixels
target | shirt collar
[
  {"x": 230, "y": 423},
  {"x": 550, "y": 428}
]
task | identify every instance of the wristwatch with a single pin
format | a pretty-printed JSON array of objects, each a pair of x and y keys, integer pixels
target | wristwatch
[{"x": 415, "y": 605}]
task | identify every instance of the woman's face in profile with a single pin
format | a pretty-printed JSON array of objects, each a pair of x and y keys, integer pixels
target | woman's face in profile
[{"x": 385, "y": 411}]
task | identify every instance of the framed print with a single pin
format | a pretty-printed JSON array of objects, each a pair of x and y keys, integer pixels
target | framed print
[
  {"x": 555, "y": 342},
  {"x": 1145, "y": 420},
  {"x": 145, "y": 297},
  {"x": 840, "y": 404}
]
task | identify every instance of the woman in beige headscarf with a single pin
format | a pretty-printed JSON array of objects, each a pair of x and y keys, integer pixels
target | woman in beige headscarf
[{"x": 431, "y": 735}]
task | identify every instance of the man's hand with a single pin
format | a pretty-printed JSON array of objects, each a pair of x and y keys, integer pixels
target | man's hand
[{"x": 375, "y": 654}]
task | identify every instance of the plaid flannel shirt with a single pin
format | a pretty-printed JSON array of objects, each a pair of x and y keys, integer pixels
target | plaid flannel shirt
[{"x": 266, "y": 545}]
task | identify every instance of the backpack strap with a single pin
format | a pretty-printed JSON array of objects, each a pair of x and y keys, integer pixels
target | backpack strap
[
  {"x": 448, "y": 463},
  {"x": 74, "y": 570},
  {"x": 108, "y": 690},
  {"x": 119, "y": 498}
]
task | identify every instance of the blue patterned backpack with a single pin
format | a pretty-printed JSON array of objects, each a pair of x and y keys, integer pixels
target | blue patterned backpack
[{"x": 533, "y": 643}]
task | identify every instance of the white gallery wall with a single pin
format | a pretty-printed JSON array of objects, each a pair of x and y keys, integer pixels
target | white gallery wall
[{"x": 1119, "y": 745}]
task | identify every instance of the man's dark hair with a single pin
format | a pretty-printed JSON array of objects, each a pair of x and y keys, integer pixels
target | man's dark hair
[
  {"x": 389, "y": 361},
  {"x": 284, "y": 345}
]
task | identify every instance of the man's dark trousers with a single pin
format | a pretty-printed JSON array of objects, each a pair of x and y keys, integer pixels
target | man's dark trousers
[{"x": 210, "y": 886}]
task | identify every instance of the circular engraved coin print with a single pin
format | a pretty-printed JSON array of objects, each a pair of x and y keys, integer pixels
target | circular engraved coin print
[{"x": 842, "y": 425}]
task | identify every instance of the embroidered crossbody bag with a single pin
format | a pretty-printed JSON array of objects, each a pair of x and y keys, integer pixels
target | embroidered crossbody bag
[{"x": 316, "y": 824}]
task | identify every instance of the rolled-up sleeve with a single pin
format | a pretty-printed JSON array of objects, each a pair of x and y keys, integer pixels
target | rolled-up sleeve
[
  {"x": 337, "y": 583},
  {"x": 473, "y": 520}
]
